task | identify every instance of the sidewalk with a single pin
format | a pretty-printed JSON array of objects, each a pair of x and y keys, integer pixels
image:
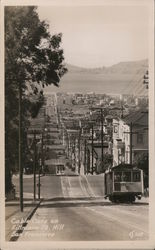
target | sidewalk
[
  {"x": 143, "y": 200},
  {"x": 15, "y": 219}
]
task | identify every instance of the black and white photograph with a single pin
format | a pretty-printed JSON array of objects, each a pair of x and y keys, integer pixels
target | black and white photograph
[{"x": 78, "y": 124}]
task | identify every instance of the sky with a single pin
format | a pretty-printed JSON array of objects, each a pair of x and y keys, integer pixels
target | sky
[{"x": 97, "y": 36}]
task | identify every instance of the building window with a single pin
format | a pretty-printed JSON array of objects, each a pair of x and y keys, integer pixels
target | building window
[
  {"x": 115, "y": 129},
  {"x": 139, "y": 138}
]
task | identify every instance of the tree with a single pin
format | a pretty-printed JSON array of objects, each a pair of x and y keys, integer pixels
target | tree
[{"x": 33, "y": 59}]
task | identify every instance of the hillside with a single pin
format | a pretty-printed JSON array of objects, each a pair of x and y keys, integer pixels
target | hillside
[
  {"x": 121, "y": 78},
  {"x": 120, "y": 68}
]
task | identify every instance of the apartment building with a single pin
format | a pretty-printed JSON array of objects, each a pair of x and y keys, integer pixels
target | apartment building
[{"x": 130, "y": 137}]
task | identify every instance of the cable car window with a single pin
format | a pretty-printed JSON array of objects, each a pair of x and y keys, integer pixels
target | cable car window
[
  {"x": 126, "y": 176},
  {"x": 117, "y": 186},
  {"x": 136, "y": 176},
  {"x": 117, "y": 176}
]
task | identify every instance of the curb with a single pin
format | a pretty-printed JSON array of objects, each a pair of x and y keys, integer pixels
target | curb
[{"x": 24, "y": 224}]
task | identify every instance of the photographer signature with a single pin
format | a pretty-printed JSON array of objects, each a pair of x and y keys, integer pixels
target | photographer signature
[{"x": 135, "y": 234}]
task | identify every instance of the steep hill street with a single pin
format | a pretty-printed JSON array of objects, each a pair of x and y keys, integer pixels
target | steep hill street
[{"x": 73, "y": 208}]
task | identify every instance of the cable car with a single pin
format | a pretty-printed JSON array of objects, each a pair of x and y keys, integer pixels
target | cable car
[{"x": 124, "y": 183}]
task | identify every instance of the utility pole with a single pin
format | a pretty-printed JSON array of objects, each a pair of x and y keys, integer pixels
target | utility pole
[
  {"x": 92, "y": 149},
  {"x": 39, "y": 183},
  {"x": 91, "y": 131},
  {"x": 84, "y": 145},
  {"x": 68, "y": 145},
  {"x": 20, "y": 149},
  {"x": 34, "y": 168},
  {"x": 79, "y": 151},
  {"x": 42, "y": 163},
  {"x": 74, "y": 145},
  {"x": 70, "y": 148},
  {"x": 102, "y": 137},
  {"x": 85, "y": 148},
  {"x": 131, "y": 143},
  {"x": 122, "y": 109}
]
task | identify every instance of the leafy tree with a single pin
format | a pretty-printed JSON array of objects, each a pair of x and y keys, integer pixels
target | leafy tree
[{"x": 33, "y": 59}]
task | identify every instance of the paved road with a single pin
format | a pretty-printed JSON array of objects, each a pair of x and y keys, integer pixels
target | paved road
[
  {"x": 69, "y": 220},
  {"x": 74, "y": 209}
]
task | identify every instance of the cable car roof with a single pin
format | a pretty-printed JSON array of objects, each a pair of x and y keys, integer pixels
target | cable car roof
[{"x": 123, "y": 167}]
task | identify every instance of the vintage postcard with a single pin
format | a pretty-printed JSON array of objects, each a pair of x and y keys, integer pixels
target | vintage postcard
[{"x": 77, "y": 109}]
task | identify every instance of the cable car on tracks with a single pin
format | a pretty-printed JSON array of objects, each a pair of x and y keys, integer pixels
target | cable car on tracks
[{"x": 124, "y": 183}]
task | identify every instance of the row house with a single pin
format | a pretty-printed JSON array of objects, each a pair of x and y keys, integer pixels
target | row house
[{"x": 130, "y": 137}]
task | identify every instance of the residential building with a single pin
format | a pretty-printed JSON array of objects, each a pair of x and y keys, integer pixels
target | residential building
[{"x": 130, "y": 137}]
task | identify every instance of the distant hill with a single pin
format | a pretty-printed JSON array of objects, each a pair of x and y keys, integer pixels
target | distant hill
[
  {"x": 121, "y": 78},
  {"x": 119, "y": 68}
]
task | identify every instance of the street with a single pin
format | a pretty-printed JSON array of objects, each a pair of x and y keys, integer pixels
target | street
[
  {"x": 73, "y": 208},
  {"x": 78, "y": 146}
]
